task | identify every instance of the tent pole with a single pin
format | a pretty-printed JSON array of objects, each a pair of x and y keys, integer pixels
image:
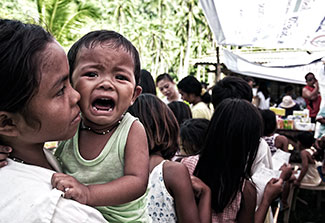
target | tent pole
[{"x": 218, "y": 67}]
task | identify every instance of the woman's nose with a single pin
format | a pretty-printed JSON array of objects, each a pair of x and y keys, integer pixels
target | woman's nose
[{"x": 75, "y": 96}]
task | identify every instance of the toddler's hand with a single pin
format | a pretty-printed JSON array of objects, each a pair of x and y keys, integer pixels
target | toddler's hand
[
  {"x": 72, "y": 188},
  {"x": 4, "y": 153},
  {"x": 199, "y": 187}
]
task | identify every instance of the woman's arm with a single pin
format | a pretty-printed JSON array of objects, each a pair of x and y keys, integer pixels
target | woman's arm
[
  {"x": 203, "y": 194},
  {"x": 282, "y": 143},
  {"x": 271, "y": 191},
  {"x": 304, "y": 167},
  {"x": 247, "y": 208},
  {"x": 178, "y": 183},
  {"x": 122, "y": 190},
  {"x": 311, "y": 95}
]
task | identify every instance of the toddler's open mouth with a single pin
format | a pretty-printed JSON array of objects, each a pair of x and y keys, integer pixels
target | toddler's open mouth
[{"x": 103, "y": 104}]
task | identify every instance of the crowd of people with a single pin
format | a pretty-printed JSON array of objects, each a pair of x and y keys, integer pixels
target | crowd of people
[{"x": 125, "y": 154}]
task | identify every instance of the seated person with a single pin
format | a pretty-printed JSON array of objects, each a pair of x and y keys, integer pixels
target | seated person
[
  {"x": 274, "y": 140},
  {"x": 309, "y": 175},
  {"x": 289, "y": 105}
]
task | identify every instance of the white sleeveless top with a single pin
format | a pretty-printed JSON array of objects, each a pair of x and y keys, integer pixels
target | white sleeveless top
[{"x": 161, "y": 205}]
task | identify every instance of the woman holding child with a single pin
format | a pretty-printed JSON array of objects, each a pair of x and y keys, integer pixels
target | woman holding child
[{"x": 34, "y": 89}]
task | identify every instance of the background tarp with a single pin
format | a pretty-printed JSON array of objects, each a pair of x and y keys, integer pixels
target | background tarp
[
  {"x": 288, "y": 73},
  {"x": 270, "y": 24},
  {"x": 267, "y": 23}
]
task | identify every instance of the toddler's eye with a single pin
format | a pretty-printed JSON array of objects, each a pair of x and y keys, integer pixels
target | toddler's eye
[
  {"x": 91, "y": 74},
  {"x": 121, "y": 77}
]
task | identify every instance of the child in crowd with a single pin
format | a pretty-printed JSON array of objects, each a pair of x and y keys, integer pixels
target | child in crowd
[
  {"x": 225, "y": 165},
  {"x": 107, "y": 159},
  {"x": 309, "y": 175},
  {"x": 192, "y": 92},
  {"x": 171, "y": 197},
  {"x": 274, "y": 140},
  {"x": 167, "y": 87},
  {"x": 181, "y": 111},
  {"x": 193, "y": 133},
  {"x": 37, "y": 104}
]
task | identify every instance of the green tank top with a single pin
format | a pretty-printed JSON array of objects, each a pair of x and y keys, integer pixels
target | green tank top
[{"x": 106, "y": 167}]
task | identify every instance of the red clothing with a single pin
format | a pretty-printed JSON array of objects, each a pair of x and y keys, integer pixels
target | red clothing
[{"x": 313, "y": 106}]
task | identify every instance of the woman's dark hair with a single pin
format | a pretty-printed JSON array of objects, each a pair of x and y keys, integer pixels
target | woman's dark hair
[
  {"x": 164, "y": 76},
  {"x": 109, "y": 38},
  {"x": 193, "y": 132},
  {"x": 263, "y": 88},
  {"x": 231, "y": 87},
  {"x": 306, "y": 139},
  {"x": 21, "y": 48},
  {"x": 191, "y": 85},
  {"x": 147, "y": 83},
  {"x": 181, "y": 111},
  {"x": 308, "y": 74},
  {"x": 229, "y": 151},
  {"x": 269, "y": 120},
  {"x": 160, "y": 124}
]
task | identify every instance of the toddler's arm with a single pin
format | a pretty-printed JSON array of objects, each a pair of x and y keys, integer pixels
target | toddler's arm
[{"x": 124, "y": 189}]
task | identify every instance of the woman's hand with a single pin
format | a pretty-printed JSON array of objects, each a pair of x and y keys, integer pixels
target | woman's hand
[
  {"x": 199, "y": 187},
  {"x": 4, "y": 153},
  {"x": 273, "y": 189},
  {"x": 72, "y": 188},
  {"x": 286, "y": 172}
]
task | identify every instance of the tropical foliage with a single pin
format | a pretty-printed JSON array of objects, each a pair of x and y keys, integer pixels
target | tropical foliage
[{"x": 167, "y": 33}]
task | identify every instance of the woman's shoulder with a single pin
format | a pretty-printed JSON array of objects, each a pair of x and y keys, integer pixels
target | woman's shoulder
[
  {"x": 174, "y": 167},
  {"x": 175, "y": 172}
]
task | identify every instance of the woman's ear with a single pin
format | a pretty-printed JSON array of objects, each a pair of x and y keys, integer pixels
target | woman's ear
[{"x": 8, "y": 125}]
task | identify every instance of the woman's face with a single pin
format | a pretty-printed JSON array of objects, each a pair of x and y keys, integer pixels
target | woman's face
[
  {"x": 54, "y": 107},
  {"x": 187, "y": 97},
  {"x": 167, "y": 88}
]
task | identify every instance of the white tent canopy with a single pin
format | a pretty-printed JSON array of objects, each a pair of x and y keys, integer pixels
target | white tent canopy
[
  {"x": 269, "y": 24},
  {"x": 288, "y": 73}
]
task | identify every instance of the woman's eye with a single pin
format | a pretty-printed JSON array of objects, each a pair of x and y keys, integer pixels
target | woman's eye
[
  {"x": 61, "y": 91},
  {"x": 91, "y": 74}
]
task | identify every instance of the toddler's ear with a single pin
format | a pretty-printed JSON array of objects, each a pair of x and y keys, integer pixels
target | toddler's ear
[
  {"x": 137, "y": 92},
  {"x": 7, "y": 124}
]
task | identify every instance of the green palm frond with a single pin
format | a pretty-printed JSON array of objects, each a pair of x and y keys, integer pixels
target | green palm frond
[{"x": 77, "y": 19}]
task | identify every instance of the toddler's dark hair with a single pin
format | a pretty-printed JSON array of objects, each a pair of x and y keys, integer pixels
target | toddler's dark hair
[{"x": 115, "y": 40}]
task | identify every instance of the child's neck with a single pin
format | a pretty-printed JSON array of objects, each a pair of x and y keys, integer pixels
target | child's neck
[{"x": 30, "y": 154}]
